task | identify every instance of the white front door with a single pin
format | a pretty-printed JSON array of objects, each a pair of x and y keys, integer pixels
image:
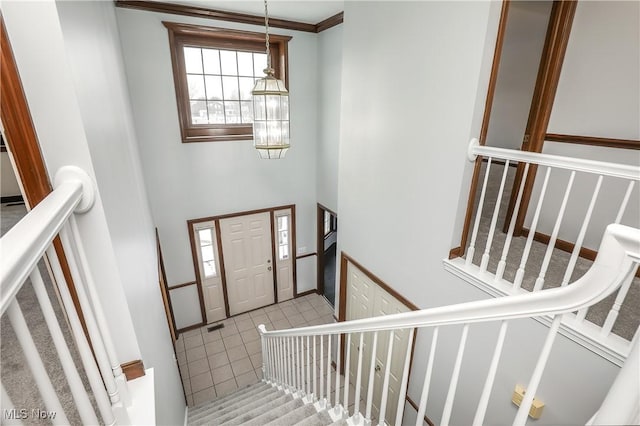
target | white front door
[
  {"x": 367, "y": 299},
  {"x": 246, "y": 244}
]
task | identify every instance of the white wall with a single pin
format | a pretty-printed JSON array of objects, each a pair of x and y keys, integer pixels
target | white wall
[
  {"x": 329, "y": 99},
  {"x": 58, "y": 122},
  {"x": 187, "y": 181},
  {"x": 519, "y": 61},
  {"x": 8, "y": 183},
  {"x": 402, "y": 162},
  {"x": 93, "y": 47},
  {"x": 598, "y": 95}
]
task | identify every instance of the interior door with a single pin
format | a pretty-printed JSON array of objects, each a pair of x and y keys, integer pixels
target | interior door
[
  {"x": 247, "y": 248},
  {"x": 367, "y": 299}
]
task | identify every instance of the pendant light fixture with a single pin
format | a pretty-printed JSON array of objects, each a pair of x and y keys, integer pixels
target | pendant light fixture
[{"x": 270, "y": 109}]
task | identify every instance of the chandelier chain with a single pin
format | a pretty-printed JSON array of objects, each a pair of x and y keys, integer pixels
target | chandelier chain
[{"x": 266, "y": 25}]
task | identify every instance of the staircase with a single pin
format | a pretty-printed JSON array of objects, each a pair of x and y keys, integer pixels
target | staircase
[{"x": 260, "y": 404}]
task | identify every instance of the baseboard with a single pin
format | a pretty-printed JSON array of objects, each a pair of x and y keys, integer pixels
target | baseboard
[
  {"x": 306, "y": 293},
  {"x": 186, "y": 415}
]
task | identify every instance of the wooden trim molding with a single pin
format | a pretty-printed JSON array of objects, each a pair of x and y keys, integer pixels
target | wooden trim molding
[
  {"x": 484, "y": 129},
  {"x": 164, "y": 291},
  {"x": 191, "y": 327},
  {"x": 306, "y": 293},
  {"x": 223, "y": 272},
  {"x": 133, "y": 369},
  {"x": 177, "y": 286},
  {"x": 22, "y": 140},
  {"x": 222, "y": 15},
  {"x": 330, "y": 22},
  {"x": 415, "y": 407},
  {"x": 302, "y": 256},
  {"x": 590, "y": 140}
]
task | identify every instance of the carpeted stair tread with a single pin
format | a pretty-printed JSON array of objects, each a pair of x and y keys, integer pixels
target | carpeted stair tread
[
  {"x": 242, "y": 393},
  {"x": 321, "y": 418},
  {"x": 244, "y": 415},
  {"x": 301, "y": 413},
  {"x": 339, "y": 423},
  {"x": 276, "y": 412},
  {"x": 242, "y": 407},
  {"x": 239, "y": 399}
]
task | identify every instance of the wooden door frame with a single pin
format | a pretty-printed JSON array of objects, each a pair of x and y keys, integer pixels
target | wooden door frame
[
  {"x": 345, "y": 259},
  {"x": 320, "y": 237},
  {"x": 22, "y": 142},
  {"x": 164, "y": 290},
  {"x": 216, "y": 220},
  {"x": 556, "y": 41}
]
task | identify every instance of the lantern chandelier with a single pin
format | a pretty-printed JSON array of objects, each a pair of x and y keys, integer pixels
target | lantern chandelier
[{"x": 270, "y": 109}]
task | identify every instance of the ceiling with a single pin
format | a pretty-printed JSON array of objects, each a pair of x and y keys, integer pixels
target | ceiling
[{"x": 308, "y": 11}]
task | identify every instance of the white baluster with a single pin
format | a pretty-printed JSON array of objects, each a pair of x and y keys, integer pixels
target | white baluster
[
  {"x": 385, "y": 383},
  {"x": 476, "y": 225},
  {"x": 372, "y": 375},
  {"x": 85, "y": 270},
  {"x": 617, "y": 304},
  {"x": 448, "y": 405},
  {"x": 422, "y": 408},
  {"x": 512, "y": 224},
  {"x": 83, "y": 404},
  {"x": 8, "y": 407},
  {"x": 82, "y": 345},
  {"x": 95, "y": 335},
  {"x": 36, "y": 366},
  {"x": 625, "y": 201},
  {"x": 315, "y": 367},
  {"x": 554, "y": 235},
  {"x": 487, "y": 248},
  {"x": 290, "y": 379},
  {"x": 347, "y": 361},
  {"x": 321, "y": 390},
  {"x": 517, "y": 283},
  {"x": 491, "y": 375},
  {"x": 282, "y": 374},
  {"x": 299, "y": 366},
  {"x": 405, "y": 379},
  {"x": 356, "y": 412},
  {"x": 336, "y": 407},
  {"x": 525, "y": 405},
  {"x": 329, "y": 369},
  {"x": 583, "y": 230},
  {"x": 308, "y": 367}
]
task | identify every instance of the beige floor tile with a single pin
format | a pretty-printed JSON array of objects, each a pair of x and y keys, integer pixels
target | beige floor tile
[
  {"x": 232, "y": 341},
  {"x": 186, "y": 383},
  {"x": 256, "y": 360},
  {"x": 260, "y": 319},
  {"x": 213, "y": 348},
  {"x": 193, "y": 341},
  {"x": 198, "y": 367},
  {"x": 218, "y": 360},
  {"x": 310, "y": 315},
  {"x": 211, "y": 336},
  {"x": 201, "y": 381},
  {"x": 239, "y": 367},
  {"x": 242, "y": 317},
  {"x": 237, "y": 353},
  {"x": 190, "y": 400},
  {"x": 271, "y": 308},
  {"x": 296, "y": 320},
  {"x": 229, "y": 329},
  {"x": 256, "y": 313},
  {"x": 205, "y": 395},
  {"x": 258, "y": 372},
  {"x": 247, "y": 378},
  {"x": 276, "y": 315},
  {"x": 304, "y": 306},
  {"x": 191, "y": 333},
  {"x": 222, "y": 374},
  {"x": 225, "y": 388},
  {"x": 281, "y": 324},
  {"x": 290, "y": 310},
  {"x": 245, "y": 325},
  {"x": 179, "y": 345},
  {"x": 196, "y": 354},
  {"x": 253, "y": 347},
  {"x": 182, "y": 357},
  {"x": 249, "y": 336}
]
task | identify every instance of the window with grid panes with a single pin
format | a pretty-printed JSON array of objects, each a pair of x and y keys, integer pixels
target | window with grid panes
[{"x": 214, "y": 71}]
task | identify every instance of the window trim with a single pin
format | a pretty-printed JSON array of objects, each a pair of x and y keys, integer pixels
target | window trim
[{"x": 181, "y": 35}]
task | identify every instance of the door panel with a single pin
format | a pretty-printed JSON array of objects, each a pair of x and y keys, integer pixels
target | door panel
[
  {"x": 367, "y": 299},
  {"x": 246, "y": 242},
  {"x": 284, "y": 253},
  {"x": 211, "y": 279}
]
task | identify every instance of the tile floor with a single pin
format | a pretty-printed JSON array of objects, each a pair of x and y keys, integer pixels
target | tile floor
[{"x": 214, "y": 364}]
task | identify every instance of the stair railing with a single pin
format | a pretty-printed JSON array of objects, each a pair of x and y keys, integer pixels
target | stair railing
[
  {"x": 22, "y": 248},
  {"x": 490, "y": 252},
  {"x": 285, "y": 351}
]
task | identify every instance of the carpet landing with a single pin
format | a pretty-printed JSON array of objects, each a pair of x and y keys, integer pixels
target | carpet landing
[{"x": 258, "y": 405}]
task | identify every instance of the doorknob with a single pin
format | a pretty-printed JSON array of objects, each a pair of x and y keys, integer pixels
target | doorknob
[
  {"x": 269, "y": 268},
  {"x": 378, "y": 368},
  {"x": 268, "y": 260}
]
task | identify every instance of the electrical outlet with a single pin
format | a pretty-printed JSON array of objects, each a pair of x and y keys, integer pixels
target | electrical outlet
[{"x": 536, "y": 406}]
